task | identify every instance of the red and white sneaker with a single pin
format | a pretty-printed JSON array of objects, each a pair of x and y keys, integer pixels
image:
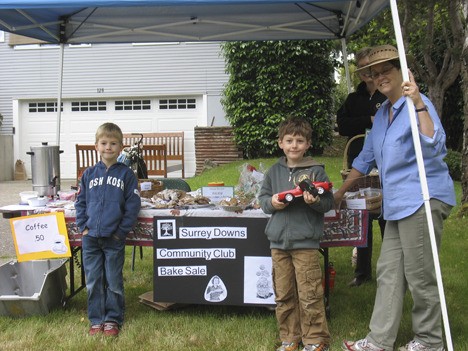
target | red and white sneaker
[
  {"x": 360, "y": 345},
  {"x": 414, "y": 345},
  {"x": 95, "y": 329},
  {"x": 111, "y": 329}
]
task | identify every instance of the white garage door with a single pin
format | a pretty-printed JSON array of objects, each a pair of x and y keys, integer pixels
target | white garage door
[{"x": 80, "y": 119}]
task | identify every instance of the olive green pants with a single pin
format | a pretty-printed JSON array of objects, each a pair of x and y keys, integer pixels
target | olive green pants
[
  {"x": 300, "y": 309},
  {"x": 406, "y": 262}
]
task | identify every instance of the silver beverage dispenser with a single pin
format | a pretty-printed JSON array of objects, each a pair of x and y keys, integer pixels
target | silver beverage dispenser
[{"x": 45, "y": 169}]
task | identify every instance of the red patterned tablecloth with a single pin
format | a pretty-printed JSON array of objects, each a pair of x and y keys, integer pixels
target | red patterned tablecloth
[{"x": 342, "y": 228}]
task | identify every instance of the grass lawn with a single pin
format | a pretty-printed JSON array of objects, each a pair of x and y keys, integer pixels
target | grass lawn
[{"x": 221, "y": 328}]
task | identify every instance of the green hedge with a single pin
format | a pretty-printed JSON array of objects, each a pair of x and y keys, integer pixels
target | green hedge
[{"x": 268, "y": 81}]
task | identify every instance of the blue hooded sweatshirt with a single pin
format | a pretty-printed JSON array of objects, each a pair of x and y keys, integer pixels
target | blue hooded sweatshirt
[{"x": 108, "y": 202}]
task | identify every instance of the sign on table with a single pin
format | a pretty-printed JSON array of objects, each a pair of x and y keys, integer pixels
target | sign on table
[{"x": 40, "y": 236}]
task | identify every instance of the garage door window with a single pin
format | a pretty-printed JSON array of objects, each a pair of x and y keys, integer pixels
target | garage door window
[
  {"x": 177, "y": 104},
  {"x": 37, "y": 107},
  {"x": 83, "y": 106},
  {"x": 132, "y": 105}
]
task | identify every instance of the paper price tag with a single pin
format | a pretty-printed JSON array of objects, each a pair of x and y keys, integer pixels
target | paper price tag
[{"x": 217, "y": 193}]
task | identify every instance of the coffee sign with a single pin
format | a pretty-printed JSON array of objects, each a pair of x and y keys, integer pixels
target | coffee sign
[{"x": 40, "y": 236}]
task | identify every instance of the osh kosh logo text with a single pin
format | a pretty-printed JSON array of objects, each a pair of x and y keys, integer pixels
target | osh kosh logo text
[{"x": 113, "y": 181}]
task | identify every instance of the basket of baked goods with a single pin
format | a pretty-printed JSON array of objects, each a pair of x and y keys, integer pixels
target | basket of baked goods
[
  {"x": 363, "y": 199},
  {"x": 149, "y": 187},
  {"x": 232, "y": 204},
  {"x": 178, "y": 199},
  {"x": 370, "y": 180}
]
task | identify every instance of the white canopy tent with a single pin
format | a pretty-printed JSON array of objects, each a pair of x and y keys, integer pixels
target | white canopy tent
[{"x": 114, "y": 21}]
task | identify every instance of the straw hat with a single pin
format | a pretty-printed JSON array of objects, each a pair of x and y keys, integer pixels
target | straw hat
[{"x": 381, "y": 54}]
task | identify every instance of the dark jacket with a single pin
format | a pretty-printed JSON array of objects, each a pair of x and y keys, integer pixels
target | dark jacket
[
  {"x": 108, "y": 202},
  {"x": 354, "y": 117},
  {"x": 299, "y": 225}
]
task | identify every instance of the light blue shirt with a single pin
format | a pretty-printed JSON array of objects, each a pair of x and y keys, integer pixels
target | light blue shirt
[{"x": 390, "y": 147}]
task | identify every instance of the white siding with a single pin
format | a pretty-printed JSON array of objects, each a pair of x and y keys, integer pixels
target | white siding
[{"x": 109, "y": 72}]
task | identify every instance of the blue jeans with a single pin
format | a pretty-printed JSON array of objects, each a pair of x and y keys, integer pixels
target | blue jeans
[{"x": 103, "y": 260}]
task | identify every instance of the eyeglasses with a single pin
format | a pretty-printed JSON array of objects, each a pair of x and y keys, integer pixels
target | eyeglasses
[
  {"x": 384, "y": 72},
  {"x": 364, "y": 73}
]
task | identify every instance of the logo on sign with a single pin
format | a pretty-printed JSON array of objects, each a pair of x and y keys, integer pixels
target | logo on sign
[{"x": 166, "y": 229}]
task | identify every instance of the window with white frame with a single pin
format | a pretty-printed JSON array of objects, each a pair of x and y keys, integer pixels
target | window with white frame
[
  {"x": 91, "y": 106},
  {"x": 177, "y": 104},
  {"x": 132, "y": 105},
  {"x": 46, "y": 106}
]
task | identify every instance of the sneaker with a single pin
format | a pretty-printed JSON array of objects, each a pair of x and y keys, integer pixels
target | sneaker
[
  {"x": 96, "y": 329},
  {"x": 316, "y": 347},
  {"x": 358, "y": 281},
  {"x": 111, "y": 329},
  {"x": 414, "y": 345},
  {"x": 288, "y": 346},
  {"x": 360, "y": 345}
]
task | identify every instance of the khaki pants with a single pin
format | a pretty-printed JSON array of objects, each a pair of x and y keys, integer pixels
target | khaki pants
[
  {"x": 406, "y": 262},
  {"x": 300, "y": 309}
]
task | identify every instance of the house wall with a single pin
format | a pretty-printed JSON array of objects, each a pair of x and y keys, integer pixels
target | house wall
[
  {"x": 108, "y": 72},
  {"x": 112, "y": 70}
]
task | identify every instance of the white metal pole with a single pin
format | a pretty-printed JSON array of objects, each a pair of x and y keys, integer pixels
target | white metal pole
[
  {"x": 422, "y": 173},
  {"x": 59, "y": 94}
]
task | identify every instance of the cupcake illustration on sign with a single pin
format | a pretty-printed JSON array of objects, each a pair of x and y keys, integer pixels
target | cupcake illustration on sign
[
  {"x": 216, "y": 290},
  {"x": 264, "y": 286}
]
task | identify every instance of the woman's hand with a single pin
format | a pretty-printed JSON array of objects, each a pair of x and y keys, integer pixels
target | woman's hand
[
  {"x": 338, "y": 197},
  {"x": 410, "y": 89}
]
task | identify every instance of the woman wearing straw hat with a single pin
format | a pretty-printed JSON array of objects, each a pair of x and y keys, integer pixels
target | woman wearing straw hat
[{"x": 406, "y": 259}]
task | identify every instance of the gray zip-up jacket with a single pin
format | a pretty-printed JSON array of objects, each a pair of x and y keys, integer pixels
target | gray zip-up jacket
[{"x": 299, "y": 225}]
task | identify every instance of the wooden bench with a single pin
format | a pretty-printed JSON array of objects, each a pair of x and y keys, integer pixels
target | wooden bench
[
  {"x": 86, "y": 156},
  {"x": 153, "y": 155},
  {"x": 155, "y": 158},
  {"x": 174, "y": 142}
]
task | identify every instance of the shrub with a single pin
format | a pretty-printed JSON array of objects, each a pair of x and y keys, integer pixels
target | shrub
[
  {"x": 270, "y": 80},
  {"x": 454, "y": 163}
]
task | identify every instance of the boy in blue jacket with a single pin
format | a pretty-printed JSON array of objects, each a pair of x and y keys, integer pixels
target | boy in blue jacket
[
  {"x": 294, "y": 231},
  {"x": 106, "y": 210}
]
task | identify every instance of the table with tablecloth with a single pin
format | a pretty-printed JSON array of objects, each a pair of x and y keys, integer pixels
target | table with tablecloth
[{"x": 236, "y": 254}]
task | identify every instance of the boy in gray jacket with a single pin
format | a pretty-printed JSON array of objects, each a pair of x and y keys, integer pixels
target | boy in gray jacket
[{"x": 294, "y": 231}]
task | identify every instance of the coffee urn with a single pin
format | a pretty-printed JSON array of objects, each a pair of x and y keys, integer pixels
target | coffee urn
[{"x": 45, "y": 169}]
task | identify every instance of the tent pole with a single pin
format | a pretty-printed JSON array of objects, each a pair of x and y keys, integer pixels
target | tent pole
[
  {"x": 346, "y": 64},
  {"x": 59, "y": 95},
  {"x": 422, "y": 173}
]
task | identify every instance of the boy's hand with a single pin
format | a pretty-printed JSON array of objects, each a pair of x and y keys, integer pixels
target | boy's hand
[
  {"x": 310, "y": 199},
  {"x": 85, "y": 232},
  {"x": 278, "y": 205}
]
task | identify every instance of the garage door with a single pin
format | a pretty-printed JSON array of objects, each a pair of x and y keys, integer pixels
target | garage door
[{"x": 80, "y": 119}]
